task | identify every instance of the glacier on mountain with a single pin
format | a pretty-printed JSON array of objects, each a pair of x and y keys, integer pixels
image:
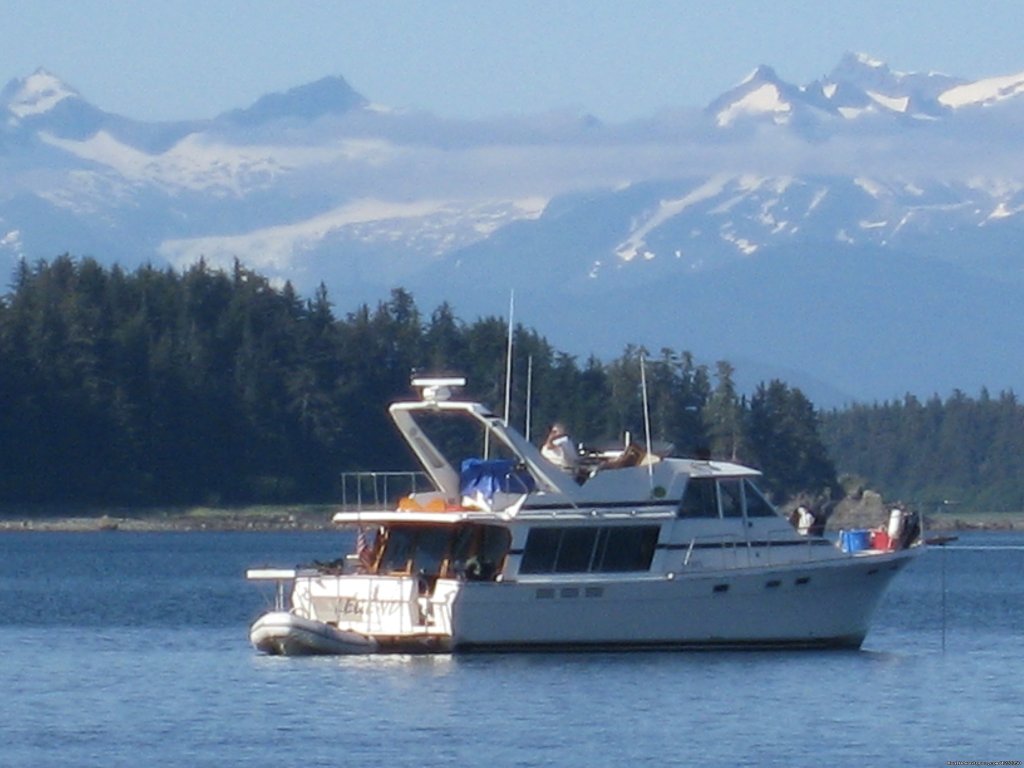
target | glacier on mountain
[
  {"x": 983, "y": 92},
  {"x": 868, "y": 165}
]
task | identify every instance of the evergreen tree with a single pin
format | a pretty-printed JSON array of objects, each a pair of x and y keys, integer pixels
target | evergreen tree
[
  {"x": 722, "y": 415},
  {"x": 159, "y": 386},
  {"x": 782, "y": 440}
]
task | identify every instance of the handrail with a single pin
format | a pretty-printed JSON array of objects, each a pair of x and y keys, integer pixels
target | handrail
[
  {"x": 279, "y": 576},
  {"x": 785, "y": 534},
  {"x": 381, "y": 489},
  {"x": 772, "y": 543},
  {"x": 726, "y": 540}
]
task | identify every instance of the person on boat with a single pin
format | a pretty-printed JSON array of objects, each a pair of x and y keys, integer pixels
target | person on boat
[
  {"x": 805, "y": 520},
  {"x": 911, "y": 530},
  {"x": 631, "y": 456},
  {"x": 560, "y": 450},
  {"x": 904, "y": 527}
]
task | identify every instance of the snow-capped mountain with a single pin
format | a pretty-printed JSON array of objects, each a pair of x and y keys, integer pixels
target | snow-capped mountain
[
  {"x": 36, "y": 94},
  {"x": 860, "y": 83},
  {"x": 856, "y": 87},
  {"x": 796, "y": 226},
  {"x": 762, "y": 95},
  {"x": 42, "y": 102}
]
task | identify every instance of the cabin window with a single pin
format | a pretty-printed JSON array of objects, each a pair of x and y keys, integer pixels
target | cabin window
[
  {"x": 576, "y": 550},
  {"x": 699, "y": 499},
  {"x": 757, "y": 505},
  {"x": 541, "y": 550},
  {"x": 431, "y": 550},
  {"x": 397, "y": 551},
  {"x": 626, "y": 549},
  {"x": 414, "y": 550},
  {"x": 464, "y": 544},
  {"x": 589, "y": 549},
  {"x": 727, "y": 497},
  {"x": 731, "y": 494},
  {"x": 467, "y": 551},
  {"x": 478, "y": 553}
]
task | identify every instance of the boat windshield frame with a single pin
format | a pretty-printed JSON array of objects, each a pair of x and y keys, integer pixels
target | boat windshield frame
[{"x": 439, "y": 467}]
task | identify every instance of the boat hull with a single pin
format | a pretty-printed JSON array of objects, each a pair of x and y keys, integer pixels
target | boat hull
[
  {"x": 816, "y": 605},
  {"x": 822, "y": 604},
  {"x": 280, "y": 633}
]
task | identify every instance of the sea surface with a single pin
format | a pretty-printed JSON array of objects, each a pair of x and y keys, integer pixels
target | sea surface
[{"x": 131, "y": 649}]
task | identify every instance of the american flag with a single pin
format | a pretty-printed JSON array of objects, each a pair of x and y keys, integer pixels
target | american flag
[{"x": 363, "y": 548}]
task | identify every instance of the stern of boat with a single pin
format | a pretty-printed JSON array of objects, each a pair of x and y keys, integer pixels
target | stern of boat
[{"x": 352, "y": 613}]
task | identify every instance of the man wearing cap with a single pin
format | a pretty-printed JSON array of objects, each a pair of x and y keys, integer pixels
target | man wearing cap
[{"x": 559, "y": 449}]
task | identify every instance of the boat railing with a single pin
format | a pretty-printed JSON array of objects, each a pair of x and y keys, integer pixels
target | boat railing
[
  {"x": 735, "y": 551},
  {"x": 280, "y": 577},
  {"x": 724, "y": 544},
  {"x": 362, "y": 491},
  {"x": 780, "y": 540}
]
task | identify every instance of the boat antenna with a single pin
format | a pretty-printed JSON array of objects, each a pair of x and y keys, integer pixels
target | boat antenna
[
  {"x": 508, "y": 360},
  {"x": 529, "y": 393},
  {"x": 647, "y": 418}
]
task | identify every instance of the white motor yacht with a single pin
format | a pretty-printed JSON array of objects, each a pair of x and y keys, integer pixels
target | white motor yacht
[{"x": 508, "y": 551}]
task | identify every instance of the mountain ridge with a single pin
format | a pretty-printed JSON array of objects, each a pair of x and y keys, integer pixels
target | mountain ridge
[{"x": 318, "y": 183}]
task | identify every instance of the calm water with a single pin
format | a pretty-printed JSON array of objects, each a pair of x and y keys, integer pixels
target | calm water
[{"x": 124, "y": 649}]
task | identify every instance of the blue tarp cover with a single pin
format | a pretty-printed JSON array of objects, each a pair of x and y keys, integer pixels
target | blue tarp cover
[{"x": 488, "y": 476}]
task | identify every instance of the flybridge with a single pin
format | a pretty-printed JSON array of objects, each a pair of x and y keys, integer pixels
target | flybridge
[
  {"x": 493, "y": 439},
  {"x": 511, "y": 474}
]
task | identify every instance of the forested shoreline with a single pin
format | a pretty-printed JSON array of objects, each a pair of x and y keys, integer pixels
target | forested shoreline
[
  {"x": 958, "y": 454},
  {"x": 205, "y": 386}
]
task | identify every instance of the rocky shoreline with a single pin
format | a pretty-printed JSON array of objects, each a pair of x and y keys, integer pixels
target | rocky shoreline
[
  {"x": 316, "y": 518},
  {"x": 867, "y": 512}
]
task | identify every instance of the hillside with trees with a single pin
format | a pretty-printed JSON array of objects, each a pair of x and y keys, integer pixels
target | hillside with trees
[
  {"x": 957, "y": 454},
  {"x": 204, "y": 386}
]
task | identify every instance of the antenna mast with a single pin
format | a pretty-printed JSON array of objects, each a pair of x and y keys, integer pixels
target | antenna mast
[
  {"x": 529, "y": 393},
  {"x": 508, "y": 360},
  {"x": 647, "y": 416}
]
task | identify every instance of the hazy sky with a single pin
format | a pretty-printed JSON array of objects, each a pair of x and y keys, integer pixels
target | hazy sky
[{"x": 617, "y": 59}]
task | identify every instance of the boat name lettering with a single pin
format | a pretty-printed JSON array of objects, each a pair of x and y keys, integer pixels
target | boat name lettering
[{"x": 351, "y": 608}]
